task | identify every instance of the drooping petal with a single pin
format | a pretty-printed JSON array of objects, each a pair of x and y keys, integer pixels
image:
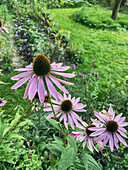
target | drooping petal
[
  {"x": 68, "y": 75},
  {"x": 52, "y": 89},
  {"x": 116, "y": 141},
  {"x": 17, "y": 77},
  {"x": 27, "y": 88},
  {"x": 76, "y": 116},
  {"x": 84, "y": 143},
  {"x": 79, "y": 106},
  {"x": 122, "y": 133},
  {"x": 121, "y": 120},
  {"x": 41, "y": 90},
  {"x": 65, "y": 121},
  {"x": 57, "y": 83},
  {"x": 64, "y": 82},
  {"x": 79, "y": 110},
  {"x": 70, "y": 121},
  {"x": 62, "y": 117},
  {"x": 20, "y": 82},
  {"x": 111, "y": 142},
  {"x": 122, "y": 129},
  {"x": 96, "y": 128},
  {"x": 121, "y": 139},
  {"x": 60, "y": 96},
  {"x": 90, "y": 144},
  {"x": 106, "y": 139},
  {"x": 33, "y": 88}
]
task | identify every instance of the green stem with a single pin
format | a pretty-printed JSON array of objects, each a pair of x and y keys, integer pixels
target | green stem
[
  {"x": 16, "y": 123},
  {"x": 53, "y": 109}
]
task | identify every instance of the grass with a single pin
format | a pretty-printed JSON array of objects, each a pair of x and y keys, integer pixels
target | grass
[{"x": 109, "y": 48}]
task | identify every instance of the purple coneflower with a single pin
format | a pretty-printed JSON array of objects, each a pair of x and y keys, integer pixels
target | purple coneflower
[
  {"x": 86, "y": 138},
  {"x": 41, "y": 67},
  {"x": 2, "y": 102},
  {"x": 111, "y": 128},
  {"x": 65, "y": 107},
  {"x": 3, "y": 28}
]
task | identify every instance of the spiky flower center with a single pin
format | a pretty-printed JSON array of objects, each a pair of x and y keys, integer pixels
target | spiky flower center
[
  {"x": 89, "y": 131},
  {"x": 46, "y": 98},
  {"x": 66, "y": 105},
  {"x": 41, "y": 65},
  {"x": 0, "y": 23},
  {"x": 111, "y": 126}
]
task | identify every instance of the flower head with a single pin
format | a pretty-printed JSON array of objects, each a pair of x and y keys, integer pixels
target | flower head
[
  {"x": 2, "y": 102},
  {"x": 42, "y": 68},
  {"x": 3, "y": 28},
  {"x": 85, "y": 137},
  {"x": 65, "y": 107},
  {"x": 111, "y": 128}
]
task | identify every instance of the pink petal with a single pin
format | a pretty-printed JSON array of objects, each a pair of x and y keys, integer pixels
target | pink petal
[
  {"x": 122, "y": 129},
  {"x": 98, "y": 116},
  {"x": 76, "y": 116},
  {"x": 96, "y": 122},
  {"x": 123, "y": 124},
  {"x": 62, "y": 117},
  {"x": 20, "y": 82},
  {"x": 90, "y": 144},
  {"x": 69, "y": 96},
  {"x": 84, "y": 143},
  {"x": 33, "y": 88},
  {"x": 97, "y": 133},
  {"x": 60, "y": 96},
  {"x": 106, "y": 139},
  {"x": 102, "y": 136},
  {"x": 68, "y": 75},
  {"x": 121, "y": 120},
  {"x": 76, "y": 122},
  {"x": 63, "y": 68},
  {"x": 17, "y": 77},
  {"x": 58, "y": 84},
  {"x": 121, "y": 139},
  {"x": 118, "y": 117},
  {"x": 111, "y": 142},
  {"x": 116, "y": 141},
  {"x": 79, "y": 110},
  {"x": 24, "y": 69},
  {"x": 59, "y": 114},
  {"x": 27, "y": 88},
  {"x": 70, "y": 121},
  {"x": 96, "y": 128},
  {"x": 65, "y": 121},
  {"x": 52, "y": 114},
  {"x": 64, "y": 82},
  {"x": 76, "y": 101},
  {"x": 52, "y": 89},
  {"x": 79, "y": 106},
  {"x": 41, "y": 90},
  {"x": 122, "y": 133},
  {"x": 5, "y": 29},
  {"x": 111, "y": 111}
]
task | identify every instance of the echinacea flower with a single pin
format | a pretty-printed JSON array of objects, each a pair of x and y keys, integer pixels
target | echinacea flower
[
  {"x": 37, "y": 72},
  {"x": 2, "y": 102},
  {"x": 85, "y": 137},
  {"x": 3, "y": 28},
  {"x": 112, "y": 128},
  {"x": 65, "y": 107}
]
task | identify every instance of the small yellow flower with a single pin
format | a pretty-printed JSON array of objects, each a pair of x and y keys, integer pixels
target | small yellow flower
[
  {"x": 3, "y": 42},
  {"x": 79, "y": 51},
  {"x": 74, "y": 49},
  {"x": 1, "y": 46},
  {"x": 39, "y": 43},
  {"x": 10, "y": 51},
  {"x": 69, "y": 32},
  {"x": 65, "y": 30},
  {"x": 53, "y": 23}
]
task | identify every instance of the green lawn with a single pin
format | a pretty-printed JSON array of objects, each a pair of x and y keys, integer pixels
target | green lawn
[{"x": 108, "y": 48}]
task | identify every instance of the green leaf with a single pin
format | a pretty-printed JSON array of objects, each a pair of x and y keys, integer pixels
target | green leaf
[
  {"x": 14, "y": 135},
  {"x": 6, "y": 130},
  {"x": 67, "y": 158},
  {"x": 72, "y": 142},
  {"x": 54, "y": 123},
  {"x": 55, "y": 149},
  {"x": 1, "y": 82},
  {"x": 92, "y": 163},
  {"x": 85, "y": 161}
]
